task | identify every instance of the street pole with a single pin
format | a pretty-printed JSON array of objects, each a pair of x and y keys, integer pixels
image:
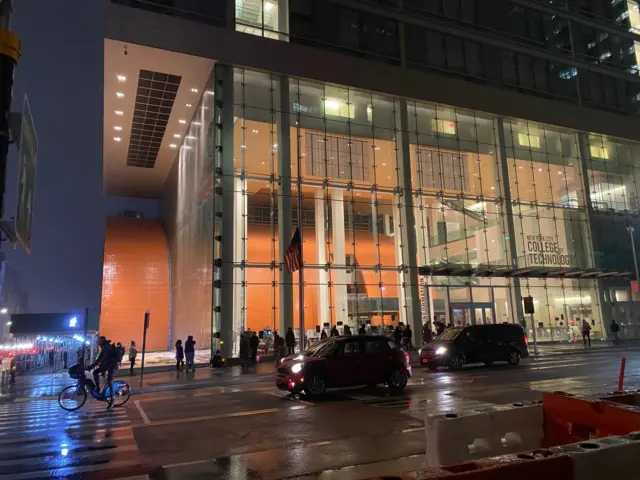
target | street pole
[
  {"x": 535, "y": 337},
  {"x": 144, "y": 343},
  {"x": 635, "y": 257},
  {"x": 9, "y": 55}
]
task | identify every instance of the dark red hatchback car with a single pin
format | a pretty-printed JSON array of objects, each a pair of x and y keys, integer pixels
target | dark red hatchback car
[{"x": 345, "y": 362}]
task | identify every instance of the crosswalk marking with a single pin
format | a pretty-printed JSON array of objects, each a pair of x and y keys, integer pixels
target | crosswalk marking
[{"x": 38, "y": 439}]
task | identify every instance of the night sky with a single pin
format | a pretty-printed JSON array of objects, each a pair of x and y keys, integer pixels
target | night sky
[{"x": 61, "y": 70}]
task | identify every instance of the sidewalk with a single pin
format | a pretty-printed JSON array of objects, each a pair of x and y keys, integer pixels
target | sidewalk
[{"x": 549, "y": 349}]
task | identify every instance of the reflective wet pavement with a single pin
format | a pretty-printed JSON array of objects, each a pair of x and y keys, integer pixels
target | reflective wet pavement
[{"x": 250, "y": 430}]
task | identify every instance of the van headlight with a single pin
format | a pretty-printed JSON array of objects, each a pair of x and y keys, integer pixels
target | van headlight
[
  {"x": 296, "y": 368},
  {"x": 441, "y": 350}
]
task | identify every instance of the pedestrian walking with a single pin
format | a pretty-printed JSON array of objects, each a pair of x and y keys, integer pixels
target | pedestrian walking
[
  {"x": 190, "y": 353},
  {"x": 180, "y": 356},
  {"x": 244, "y": 352},
  {"x": 290, "y": 340},
  {"x": 615, "y": 332},
  {"x": 397, "y": 335},
  {"x": 408, "y": 338},
  {"x": 65, "y": 358},
  {"x": 133, "y": 353},
  {"x": 254, "y": 343},
  {"x": 586, "y": 332},
  {"x": 119, "y": 353}
]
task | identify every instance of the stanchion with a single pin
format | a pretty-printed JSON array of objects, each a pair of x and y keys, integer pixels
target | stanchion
[{"x": 623, "y": 363}]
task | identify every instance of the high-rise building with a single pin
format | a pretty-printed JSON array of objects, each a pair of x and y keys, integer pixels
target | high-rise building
[{"x": 452, "y": 156}]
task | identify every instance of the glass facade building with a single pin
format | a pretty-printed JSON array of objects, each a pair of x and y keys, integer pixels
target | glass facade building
[{"x": 388, "y": 185}]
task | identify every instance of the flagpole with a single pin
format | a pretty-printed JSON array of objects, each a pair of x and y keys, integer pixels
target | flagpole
[{"x": 301, "y": 271}]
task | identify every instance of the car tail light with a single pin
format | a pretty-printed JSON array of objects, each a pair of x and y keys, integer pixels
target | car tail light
[
  {"x": 526, "y": 341},
  {"x": 407, "y": 359}
]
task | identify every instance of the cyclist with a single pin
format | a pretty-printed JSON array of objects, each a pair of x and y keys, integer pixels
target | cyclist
[{"x": 107, "y": 362}]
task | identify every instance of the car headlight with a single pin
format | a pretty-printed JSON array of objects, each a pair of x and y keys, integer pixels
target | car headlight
[
  {"x": 296, "y": 368},
  {"x": 282, "y": 360},
  {"x": 441, "y": 350},
  {"x": 419, "y": 351}
]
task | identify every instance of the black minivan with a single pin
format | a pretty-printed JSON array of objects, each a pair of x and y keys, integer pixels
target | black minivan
[{"x": 474, "y": 344}]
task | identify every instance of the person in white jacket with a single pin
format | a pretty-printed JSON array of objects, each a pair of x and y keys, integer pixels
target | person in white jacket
[{"x": 133, "y": 353}]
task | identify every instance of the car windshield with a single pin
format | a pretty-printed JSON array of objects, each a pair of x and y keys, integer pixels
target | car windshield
[
  {"x": 450, "y": 333},
  {"x": 323, "y": 350}
]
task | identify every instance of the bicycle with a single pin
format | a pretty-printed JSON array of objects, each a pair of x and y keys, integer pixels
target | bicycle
[{"x": 73, "y": 397}]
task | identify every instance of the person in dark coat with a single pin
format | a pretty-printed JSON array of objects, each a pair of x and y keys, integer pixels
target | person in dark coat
[
  {"x": 347, "y": 330},
  {"x": 254, "y": 343},
  {"x": 65, "y": 358},
  {"x": 244, "y": 351},
  {"x": 397, "y": 335},
  {"x": 334, "y": 331},
  {"x": 427, "y": 334},
  {"x": 323, "y": 335},
  {"x": 179, "y": 356},
  {"x": 408, "y": 338},
  {"x": 362, "y": 330},
  {"x": 190, "y": 353},
  {"x": 290, "y": 340}
]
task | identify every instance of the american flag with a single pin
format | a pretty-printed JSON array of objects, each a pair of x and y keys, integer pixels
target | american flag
[{"x": 293, "y": 255}]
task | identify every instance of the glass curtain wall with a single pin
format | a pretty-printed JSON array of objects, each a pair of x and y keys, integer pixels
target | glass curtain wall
[
  {"x": 189, "y": 219},
  {"x": 352, "y": 148}
]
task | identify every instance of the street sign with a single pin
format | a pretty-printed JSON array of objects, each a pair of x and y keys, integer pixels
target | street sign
[
  {"x": 528, "y": 305},
  {"x": 26, "y": 177}
]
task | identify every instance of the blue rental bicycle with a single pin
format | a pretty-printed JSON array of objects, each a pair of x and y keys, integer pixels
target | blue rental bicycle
[{"x": 74, "y": 396}]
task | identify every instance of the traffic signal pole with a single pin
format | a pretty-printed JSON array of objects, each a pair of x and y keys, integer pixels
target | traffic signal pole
[{"x": 9, "y": 56}]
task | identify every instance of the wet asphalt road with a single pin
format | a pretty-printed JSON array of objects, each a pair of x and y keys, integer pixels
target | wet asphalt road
[{"x": 254, "y": 431}]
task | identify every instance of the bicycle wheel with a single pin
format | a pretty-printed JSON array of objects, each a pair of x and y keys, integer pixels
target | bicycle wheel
[
  {"x": 122, "y": 393},
  {"x": 72, "y": 398}
]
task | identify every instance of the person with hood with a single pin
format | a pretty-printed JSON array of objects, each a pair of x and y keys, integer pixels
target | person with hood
[
  {"x": 254, "y": 343},
  {"x": 179, "y": 356},
  {"x": 189, "y": 353},
  {"x": 347, "y": 330},
  {"x": 133, "y": 353},
  {"x": 290, "y": 340},
  {"x": 615, "y": 331},
  {"x": 106, "y": 362},
  {"x": 244, "y": 351},
  {"x": 323, "y": 335},
  {"x": 334, "y": 331},
  {"x": 586, "y": 332},
  {"x": 397, "y": 335},
  {"x": 408, "y": 337}
]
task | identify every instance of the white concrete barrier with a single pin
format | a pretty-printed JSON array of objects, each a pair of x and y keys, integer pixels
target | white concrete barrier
[
  {"x": 610, "y": 457},
  {"x": 455, "y": 438}
]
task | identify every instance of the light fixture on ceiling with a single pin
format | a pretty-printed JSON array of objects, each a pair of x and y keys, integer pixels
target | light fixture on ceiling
[
  {"x": 119, "y": 94},
  {"x": 208, "y": 92},
  {"x": 117, "y": 128},
  {"x": 197, "y": 124},
  {"x": 268, "y": 6},
  {"x": 182, "y": 122},
  {"x": 121, "y": 78},
  {"x": 194, "y": 90},
  {"x": 119, "y": 113},
  {"x": 173, "y": 145},
  {"x": 117, "y": 139},
  {"x": 176, "y": 135},
  {"x": 187, "y": 147},
  {"x": 191, "y": 137},
  {"x": 188, "y": 105}
]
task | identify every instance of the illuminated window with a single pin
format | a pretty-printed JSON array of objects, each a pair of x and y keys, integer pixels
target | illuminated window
[
  {"x": 337, "y": 108},
  {"x": 443, "y": 126},
  {"x": 599, "y": 151},
  {"x": 527, "y": 140},
  {"x": 370, "y": 113}
]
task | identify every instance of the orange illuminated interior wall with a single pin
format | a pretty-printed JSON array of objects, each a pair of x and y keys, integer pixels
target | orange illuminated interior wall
[
  {"x": 135, "y": 278},
  {"x": 261, "y": 294}
]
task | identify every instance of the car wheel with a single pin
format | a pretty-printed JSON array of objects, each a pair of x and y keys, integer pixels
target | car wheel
[
  {"x": 397, "y": 380},
  {"x": 432, "y": 366},
  {"x": 315, "y": 385},
  {"x": 514, "y": 357},
  {"x": 456, "y": 362},
  {"x": 488, "y": 363}
]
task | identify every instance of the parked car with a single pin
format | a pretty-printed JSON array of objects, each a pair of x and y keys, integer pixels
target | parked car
[
  {"x": 473, "y": 344},
  {"x": 345, "y": 362}
]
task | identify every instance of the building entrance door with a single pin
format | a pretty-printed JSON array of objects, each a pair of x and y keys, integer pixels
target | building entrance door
[{"x": 463, "y": 314}]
